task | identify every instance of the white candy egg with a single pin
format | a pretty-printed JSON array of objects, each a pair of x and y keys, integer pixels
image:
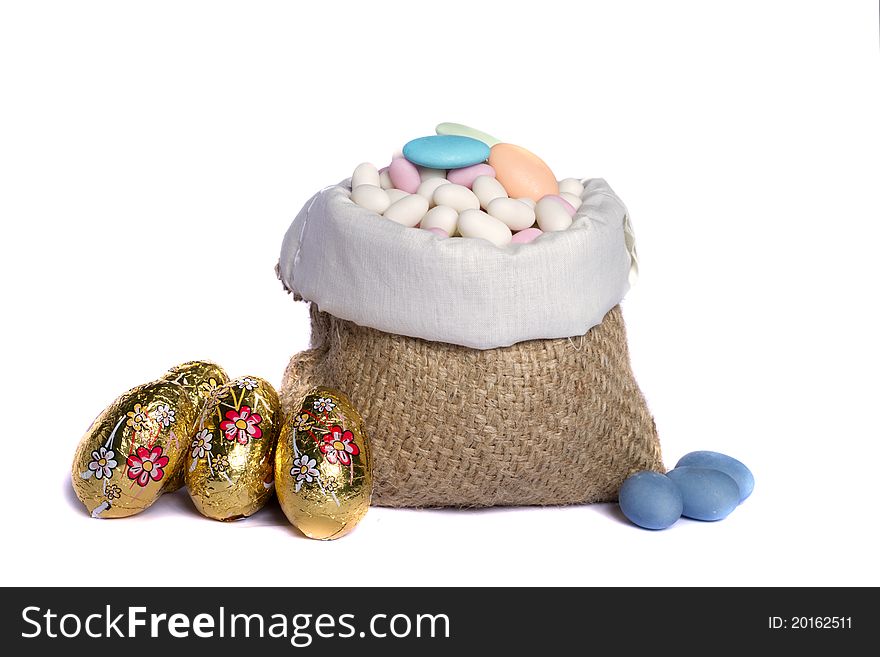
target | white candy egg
[
  {"x": 365, "y": 174},
  {"x": 488, "y": 189},
  {"x": 408, "y": 210},
  {"x": 571, "y": 186},
  {"x": 394, "y": 194},
  {"x": 427, "y": 174},
  {"x": 476, "y": 223},
  {"x": 515, "y": 214},
  {"x": 575, "y": 201},
  {"x": 528, "y": 201},
  {"x": 551, "y": 215},
  {"x": 371, "y": 197},
  {"x": 385, "y": 179},
  {"x": 428, "y": 186},
  {"x": 456, "y": 196},
  {"x": 443, "y": 217}
]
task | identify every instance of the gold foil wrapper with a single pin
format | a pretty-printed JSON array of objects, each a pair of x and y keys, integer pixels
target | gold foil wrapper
[
  {"x": 201, "y": 379},
  {"x": 323, "y": 466},
  {"x": 125, "y": 460},
  {"x": 229, "y": 473}
]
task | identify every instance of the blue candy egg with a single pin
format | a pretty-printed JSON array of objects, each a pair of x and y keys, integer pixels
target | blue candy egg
[
  {"x": 650, "y": 500},
  {"x": 707, "y": 494},
  {"x": 446, "y": 151},
  {"x": 728, "y": 465}
]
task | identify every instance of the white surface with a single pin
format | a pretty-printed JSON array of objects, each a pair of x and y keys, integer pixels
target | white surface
[
  {"x": 372, "y": 271},
  {"x": 152, "y": 156}
]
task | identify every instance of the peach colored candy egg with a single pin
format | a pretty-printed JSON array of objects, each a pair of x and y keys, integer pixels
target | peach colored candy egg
[{"x": 521, "y": 172}]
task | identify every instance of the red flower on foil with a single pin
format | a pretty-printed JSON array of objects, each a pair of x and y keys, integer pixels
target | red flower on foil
[
  {"x": 146, "y": 464},
  {"x": 242, "y": 425},
  {"x": 337, "y": 446}
]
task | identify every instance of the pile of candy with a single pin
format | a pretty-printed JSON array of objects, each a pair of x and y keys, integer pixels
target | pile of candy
[
  {"x": 703, "y": 486},
  {"x": 463, "y": 182},
  {"x": 231, "y": 445}
]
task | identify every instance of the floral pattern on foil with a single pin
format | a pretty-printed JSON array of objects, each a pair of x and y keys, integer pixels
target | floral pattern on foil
[
  {"x": 335, "y": 444},
  {"x": 242, "y": 424},
  {"x": 138, "y": 419},
  {"x": 147, "y": 465},
  {"x": 323, "y": 404},
  {"x": 304, "y": 470},
  {"x": 201, "y": 444},
  {"x": 103, "y": 462},
  {"x": 164, "y": 415},
  {"x": 247, "y": 383},
  {"x": 144, "y": 464}
]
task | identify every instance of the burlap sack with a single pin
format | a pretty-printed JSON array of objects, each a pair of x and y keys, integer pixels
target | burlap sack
[{"x": 558, "y": 421}]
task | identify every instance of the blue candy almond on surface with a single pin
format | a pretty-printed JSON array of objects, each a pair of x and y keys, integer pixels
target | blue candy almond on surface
[
  {"x": 650, "y": 500},
  {"x": 727, "y": 464},
  {"x": 446, "y": 151},
  {"x": 707, "y": 494}
]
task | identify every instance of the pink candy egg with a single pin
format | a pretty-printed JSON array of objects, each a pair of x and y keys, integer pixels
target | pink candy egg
[
  {"x": 565, "y": 204},
  {"x": 466, "y": 175},
  {"x": 526, "y": 236},
  {"x": 438, "y": 231},
  {"x": 404, "y": 175}
]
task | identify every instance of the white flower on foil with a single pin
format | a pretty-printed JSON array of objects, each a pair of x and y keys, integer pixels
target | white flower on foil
[
  {"x": 323, "y": 404},
  {"x": 201, "y": 444},
  {"x": 102, "y": 463},
  {"x": 304, "y": 470},
  {"x": 247, "y": 383},
  {"x": 164, "y": 415}
]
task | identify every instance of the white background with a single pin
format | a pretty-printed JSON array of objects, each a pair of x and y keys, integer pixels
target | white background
[{"x": 152, "y": 156}]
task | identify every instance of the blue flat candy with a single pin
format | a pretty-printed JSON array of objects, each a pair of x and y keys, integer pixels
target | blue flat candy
[
  {"x": 727, "y": 464},
  {"x": 446, "y": 151},
  {"x": 650, "y": 500},
  {"x": 707, "y": 494}
]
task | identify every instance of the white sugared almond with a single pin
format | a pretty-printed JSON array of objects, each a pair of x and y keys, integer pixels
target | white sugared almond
[
  {"x": 385, "y": 179},
  {"x": 456, "y": 196},
  {"x": 365, "y": 174},
  {"x": 428, "y": 186},
  {"x": 575, "y": 201},
  {"x": 408, "y": 211},
  {"x": 571, "y": 186},
  {"x": 426, "y": 173},
  {"x": 443, "y": 217},
  {"x": 371, "y": 197},
  {"x": 395, "y": 194},
  {"x": 515, "y": 214},
  {"x": 476, "y": 223},
  {"x": 488, "y": 189},
  {"x": 551, "y": 215}
]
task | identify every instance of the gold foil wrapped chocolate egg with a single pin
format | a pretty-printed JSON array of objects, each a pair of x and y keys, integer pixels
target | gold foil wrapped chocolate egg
[
  {"x": 230, "y": 474},
  {"x": 123, "y": 462},
  {"x": 200, "y": 379},
  {"x": 323, "y": 467}
]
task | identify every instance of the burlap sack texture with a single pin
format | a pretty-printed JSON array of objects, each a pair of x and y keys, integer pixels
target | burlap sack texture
[{"x": 537, "y": 423}]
